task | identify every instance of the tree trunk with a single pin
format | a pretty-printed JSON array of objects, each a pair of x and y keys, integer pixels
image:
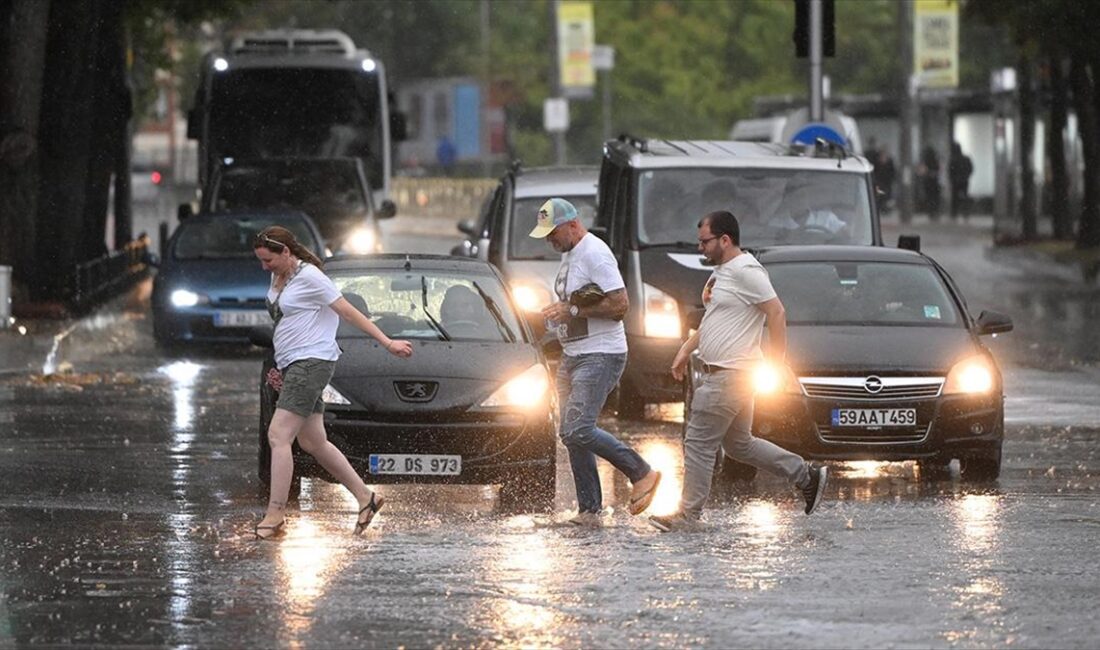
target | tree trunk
[
  {"x": 1027, "y": 148},
  {"x": 66, "y": 127},
  {"x": 22, "y": 57},
  {"x": 1058, "y": 189},
  {"x": 1083, "y": 94}
]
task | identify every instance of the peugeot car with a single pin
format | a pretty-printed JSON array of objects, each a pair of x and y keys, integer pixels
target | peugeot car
[
  {"x": 884, "y": 363},
  {"x": 473, "y": 405}
]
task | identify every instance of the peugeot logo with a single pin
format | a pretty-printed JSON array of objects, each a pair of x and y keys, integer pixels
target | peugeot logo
[
  {"x": 872, "y": 384},
  {"x": 416, "y": 391}
]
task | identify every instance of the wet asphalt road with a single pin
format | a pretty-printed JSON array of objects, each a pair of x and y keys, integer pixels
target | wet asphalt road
[{"x": 131, "y": 492}]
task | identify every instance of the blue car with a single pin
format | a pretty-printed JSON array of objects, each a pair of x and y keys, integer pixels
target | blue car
[{"x": 210, "y": 287}]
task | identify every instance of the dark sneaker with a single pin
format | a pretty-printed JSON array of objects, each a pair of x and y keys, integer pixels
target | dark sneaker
[
  {"x": 819, "y": 476},
  {"x": 676, "y": 521}
]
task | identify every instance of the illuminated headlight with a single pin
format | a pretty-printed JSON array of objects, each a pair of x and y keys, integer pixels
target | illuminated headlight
[
  {"x": 530, "y": 297},
  {"x": 369, "y": 65},
  {"x": 361, "y": 241},
  {"x": 185, "y": 298},
  {"x": 970, "y": 376},
  {"x": 770, "y": 378},
  {"x": 526, "y": 390},
  {"x": 332, "y": 396},
  {"x": 220, "y": 64},
  {"x": 662, "y": 314}
]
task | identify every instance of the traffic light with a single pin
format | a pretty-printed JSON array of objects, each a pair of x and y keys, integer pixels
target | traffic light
[{"x": 801, "y": 35}]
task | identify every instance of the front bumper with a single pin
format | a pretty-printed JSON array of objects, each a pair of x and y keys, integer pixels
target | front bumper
[
  {"x": 494, "y": 446},
  {"x": 196, "y": 325},
  {"x": 947, "y": 426}
]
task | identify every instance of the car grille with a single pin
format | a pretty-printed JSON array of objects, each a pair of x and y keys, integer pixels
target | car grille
[
  {"x": 862, "y": 436},
  {"x": 856, "y": 388}
]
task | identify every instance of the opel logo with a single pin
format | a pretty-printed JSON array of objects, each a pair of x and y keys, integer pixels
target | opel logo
[
  {"x": 416, "y": 391},
  {"x": 872, "y": 384}
]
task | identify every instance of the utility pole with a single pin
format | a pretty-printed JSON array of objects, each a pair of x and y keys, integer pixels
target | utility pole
[
  {"x": 486, "y": 88},
  {"x": 906, "y": 95},
  {"x": 817, "y": 112},
  {"x": 555, "y": 79}
]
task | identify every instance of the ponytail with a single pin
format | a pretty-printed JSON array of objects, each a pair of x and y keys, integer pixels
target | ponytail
[{"x": 276, "y": 238}]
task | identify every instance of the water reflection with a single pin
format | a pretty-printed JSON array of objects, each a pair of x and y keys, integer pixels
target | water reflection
[
  {"x": 523, "y": 565},
  {"x": 979, "y": 594},
  {"x": 665, "y": 456},
  {"x": 975, "y": 516}
]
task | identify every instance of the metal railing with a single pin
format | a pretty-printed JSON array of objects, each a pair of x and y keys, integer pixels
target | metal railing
[{"x": 105, "y": 277}]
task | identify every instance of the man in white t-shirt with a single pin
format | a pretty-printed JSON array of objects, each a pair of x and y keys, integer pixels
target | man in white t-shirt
[
  {"x": 593, "y": 357},
  {"x": 738, "y": 299}
]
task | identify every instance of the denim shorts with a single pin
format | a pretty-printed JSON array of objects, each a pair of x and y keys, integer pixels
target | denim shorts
[{"x": 303, "y": 382}]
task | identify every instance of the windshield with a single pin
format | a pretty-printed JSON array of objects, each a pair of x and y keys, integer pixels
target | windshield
[
  {"x": 330, "y": 192},
  {"x": 395, "y": 301},
  {"x": 524, "y": 213},
  {"x": 868, "y": 293},
  {"x": 228, "y": 237},
  {"x": 773, "y": 206},
  {"x": 304, "y": 112}
]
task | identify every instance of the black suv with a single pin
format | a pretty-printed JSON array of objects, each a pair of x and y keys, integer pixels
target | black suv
[{"x": 652, "y": 194}]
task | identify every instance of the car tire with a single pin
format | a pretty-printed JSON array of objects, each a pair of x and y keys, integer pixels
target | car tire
[
  {"x": 981, "y": 467},
  {"x": 529, "y": 492},
  {"x": 734, "y": 471},
  {"x": 935, "y": 468}
]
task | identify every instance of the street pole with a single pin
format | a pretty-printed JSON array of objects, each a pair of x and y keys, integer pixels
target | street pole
[
  {"x": 606, "y": 105},
  {"x": 907, "y": 88},
  {"x": 555, "y": 79},
  {"x": 486, "y": 88},
  {"x": 816, "y": 103}
]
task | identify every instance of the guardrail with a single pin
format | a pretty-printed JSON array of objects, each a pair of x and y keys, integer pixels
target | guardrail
[{"x": 103, "y": 278}]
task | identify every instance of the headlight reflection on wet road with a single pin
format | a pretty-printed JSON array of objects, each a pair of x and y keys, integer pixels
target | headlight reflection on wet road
[
  {"x": 665, "y": 456},
  {"x": 523, "y": 566}
]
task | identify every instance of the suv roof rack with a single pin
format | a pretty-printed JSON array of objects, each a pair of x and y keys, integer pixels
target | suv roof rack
[
  {"x": 641, "y": 144},
  {"x": 294, "y": 41}
]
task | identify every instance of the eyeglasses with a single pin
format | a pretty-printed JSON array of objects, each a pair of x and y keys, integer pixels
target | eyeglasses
[{"x": 704, "y": 242}]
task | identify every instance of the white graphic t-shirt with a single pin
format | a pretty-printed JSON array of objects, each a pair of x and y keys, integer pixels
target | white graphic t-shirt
[
  {"x": 307, "y": 328},
  {"x": 589, "y": 261},
  {"x": 730, "y": 333}
]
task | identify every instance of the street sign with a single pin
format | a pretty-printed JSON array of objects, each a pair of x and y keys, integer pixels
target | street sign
[
  {"x": 555, "y": 114},
  {"x": 603, "y": 57}
]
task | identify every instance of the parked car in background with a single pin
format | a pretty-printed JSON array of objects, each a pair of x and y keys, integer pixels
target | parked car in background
[
  {"x": 652, "y": 194},
  {"x": 332, "y": 191},
  {"x": 473, "y": 405},
  {"x": 210, "y": 287},
  {"x": 500, "y": 236},
  {"x": 885, "y": 363}
]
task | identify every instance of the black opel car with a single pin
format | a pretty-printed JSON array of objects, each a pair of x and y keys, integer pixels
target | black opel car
[
  {"x": 474, "y": 404},
  {"x": 885, "y": 363}
]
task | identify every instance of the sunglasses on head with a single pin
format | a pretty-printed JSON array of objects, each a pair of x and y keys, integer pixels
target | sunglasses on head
[{"x": 269, "y": 242}]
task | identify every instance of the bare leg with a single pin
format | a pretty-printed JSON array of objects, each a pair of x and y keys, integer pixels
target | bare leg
[
  {"x": 280, "y": 434},
  {"x": 314, "y": 442}
]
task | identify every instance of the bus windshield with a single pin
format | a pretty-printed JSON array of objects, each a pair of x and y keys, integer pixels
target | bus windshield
[{"x": 300, "y": 112}]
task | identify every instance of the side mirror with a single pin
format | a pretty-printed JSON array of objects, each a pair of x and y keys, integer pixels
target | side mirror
[
  {"x": 261, "y": 336},
  {"x": 694, "y": 318},
  {"x": 466, "y": 227},
  {"x": 193, "y": 124},
  {"x": 185, "y": 211},
  {"x": 387, "y": 210},
  {"x": 909, "y": 242},
  {"x": 992, "y": 322}
]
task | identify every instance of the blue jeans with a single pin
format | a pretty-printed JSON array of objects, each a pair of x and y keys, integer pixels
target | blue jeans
[{"x": 584, "y": 382}]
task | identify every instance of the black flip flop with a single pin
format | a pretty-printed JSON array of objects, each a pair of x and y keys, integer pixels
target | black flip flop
[
  {"x": 276, "y": 531},
  {"x": 372, "y": 508}
]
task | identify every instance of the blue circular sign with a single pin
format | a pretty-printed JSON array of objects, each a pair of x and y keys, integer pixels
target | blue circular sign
[{"x": 809, "y": 134}]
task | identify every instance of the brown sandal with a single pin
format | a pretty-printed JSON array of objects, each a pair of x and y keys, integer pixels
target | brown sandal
[
  {"x": 372, "y": 508},
  {"x": 277, "y": 531},
  {"x": 641, "y": 502}
]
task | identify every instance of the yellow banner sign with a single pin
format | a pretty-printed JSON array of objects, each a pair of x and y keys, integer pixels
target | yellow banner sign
[
  {"x": 576, "y": 40},
  {"x": 936, "y": 43}
]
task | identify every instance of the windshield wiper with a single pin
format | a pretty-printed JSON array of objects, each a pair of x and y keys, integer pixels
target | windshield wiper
[
  {"x": 424, "y": 305},
  {"x": 491, "y": 305}
]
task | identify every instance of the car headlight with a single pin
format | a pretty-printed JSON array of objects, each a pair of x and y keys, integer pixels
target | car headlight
[
  {"x": 187, "y": 298},
  {"x": 769, "y": 378},
  {"x": 530, "y": 297},
  {"x": 970, "y": 376},
  {"x": 661, "y": 313},
  {"x": 332, "y": 396},
  {"x": 361, "y": 241},
  {"x": 526, "y": 390}
]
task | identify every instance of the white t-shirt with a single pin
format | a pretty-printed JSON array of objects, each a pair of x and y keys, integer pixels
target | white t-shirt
[
  {"x": 589, "y": 261},
  {"x": 307, "y": 329},
  {"x": 730, "y": 333}
]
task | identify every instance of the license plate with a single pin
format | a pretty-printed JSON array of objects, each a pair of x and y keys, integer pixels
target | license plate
[
  {"x": 874, "y": 417},
  {"x": 418, "y": 464},
  {"x": 241, "y": 318}
]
